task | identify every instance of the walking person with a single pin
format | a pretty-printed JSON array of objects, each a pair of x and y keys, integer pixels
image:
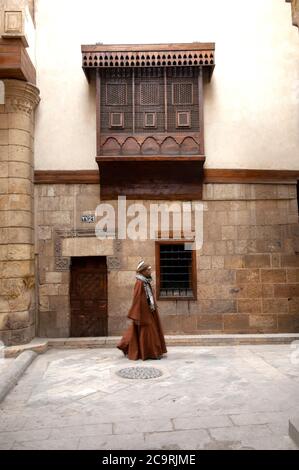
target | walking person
[{"x": 144, "y": 338}]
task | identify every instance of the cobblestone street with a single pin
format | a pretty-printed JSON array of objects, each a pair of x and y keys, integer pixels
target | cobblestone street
[{"x": 207, "y": 398}]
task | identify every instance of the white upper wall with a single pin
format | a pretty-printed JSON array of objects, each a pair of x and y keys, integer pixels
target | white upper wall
[{"x": 251, "y": 104}]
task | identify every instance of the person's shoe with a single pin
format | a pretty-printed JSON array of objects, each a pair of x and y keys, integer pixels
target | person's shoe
[{"x": 122, "y": 351}]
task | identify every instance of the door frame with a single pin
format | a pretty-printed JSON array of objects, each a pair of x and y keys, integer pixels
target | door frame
[{"x": 71, "y": 264}]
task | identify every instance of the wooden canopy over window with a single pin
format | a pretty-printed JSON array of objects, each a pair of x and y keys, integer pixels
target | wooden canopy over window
[
  {"x": 150, "y": 133},
  {"x": 148, "y": 55}
]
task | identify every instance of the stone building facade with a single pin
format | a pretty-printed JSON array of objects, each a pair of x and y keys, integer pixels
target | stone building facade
[{"x": 247, "y": 270}]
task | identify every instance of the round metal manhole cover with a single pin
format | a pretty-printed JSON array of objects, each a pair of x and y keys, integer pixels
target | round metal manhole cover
[{"x": 139, "y": 373}]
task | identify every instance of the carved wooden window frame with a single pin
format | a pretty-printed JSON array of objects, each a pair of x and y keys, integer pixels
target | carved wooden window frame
[
  {"x": 178, "y": 124},
  {"x": 145, "y": 123},
  {"x": 116, "y": 126},
  {"x": 173, "y": 94},
  {"x": 117, "y": 84},
  {"x": 158, "y": 244}
]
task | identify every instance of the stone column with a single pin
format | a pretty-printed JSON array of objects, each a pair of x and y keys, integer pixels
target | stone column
[{"x": 17, "y": 299}]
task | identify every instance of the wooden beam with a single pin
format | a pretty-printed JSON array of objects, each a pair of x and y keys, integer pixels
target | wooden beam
[
  {"x": 66, "y": 177},
  {"x": 193, "y": 46},
  {"x": 212, "y": 175},
  {"x": 209, "y": 175},
  {"x": 15, "y": 62},
  {"x": 150, "y": 158}
]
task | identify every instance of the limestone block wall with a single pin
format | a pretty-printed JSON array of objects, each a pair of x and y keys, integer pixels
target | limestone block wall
[
  {"x": 57, "y": 216},
  {"x": 247, "y": 269},
  {"x": 17, "y": 295}
]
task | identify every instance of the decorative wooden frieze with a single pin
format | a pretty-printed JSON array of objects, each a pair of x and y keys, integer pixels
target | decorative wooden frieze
[
  {"x": 137, "y": 59},
  {"x": 176, "y": 144},
  {"x": 103, "y": 56}
]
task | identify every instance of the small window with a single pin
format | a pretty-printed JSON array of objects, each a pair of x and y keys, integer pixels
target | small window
[
  {"x": 117, "y": 120},
  {"x": 150, "y": 119},
  {"x": 176, "y": 268},
  {"x": 182, "y": 93},
  {"x": 183, "y": 119},
  {"x": 116, "y": 94}
]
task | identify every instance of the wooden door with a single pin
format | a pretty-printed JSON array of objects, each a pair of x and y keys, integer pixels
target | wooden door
[{"x": 88, "y": 295}]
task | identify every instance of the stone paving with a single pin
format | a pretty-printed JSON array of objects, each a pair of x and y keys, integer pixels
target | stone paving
[
  {"x": 231, "y": 397},
  {"x": 4, "y": 364}
]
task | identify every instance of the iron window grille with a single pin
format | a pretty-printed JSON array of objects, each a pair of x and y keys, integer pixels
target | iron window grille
[{"x": 176, "y": 271}]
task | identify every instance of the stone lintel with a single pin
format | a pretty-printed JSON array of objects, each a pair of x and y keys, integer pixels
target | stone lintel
[{"x": 87, "y": 246}]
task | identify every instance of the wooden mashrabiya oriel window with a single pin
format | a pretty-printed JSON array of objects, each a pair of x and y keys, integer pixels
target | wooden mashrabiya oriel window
[{"x": 149, "y": 111}]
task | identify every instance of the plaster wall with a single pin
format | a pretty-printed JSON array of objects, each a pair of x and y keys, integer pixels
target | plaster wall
[{"x": 251, "y": 104}]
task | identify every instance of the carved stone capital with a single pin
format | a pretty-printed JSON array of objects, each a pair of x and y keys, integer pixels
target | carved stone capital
[{"x": 20, "y": 96}]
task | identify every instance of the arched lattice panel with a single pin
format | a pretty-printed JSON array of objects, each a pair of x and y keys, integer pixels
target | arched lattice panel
[
  {"x": 189, "y": 147},
  {"x": 150, "y": 147},
  {"x": 170, "y": 147},
  {"x": 130, "y": 147},
  {"x": 111, "y": 147}
]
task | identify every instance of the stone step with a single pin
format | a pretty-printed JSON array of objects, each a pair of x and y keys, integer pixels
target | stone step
[
  {"x": 10, "y": 376},
  {"x": 294, "y": 429},
  {"x": 40, "y": 345},
  {"x": 181, "y": 340},
  {"x": 37, "y": 345}
]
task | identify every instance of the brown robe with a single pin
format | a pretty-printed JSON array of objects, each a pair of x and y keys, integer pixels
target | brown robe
[{"x": 144, "y": 338}]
